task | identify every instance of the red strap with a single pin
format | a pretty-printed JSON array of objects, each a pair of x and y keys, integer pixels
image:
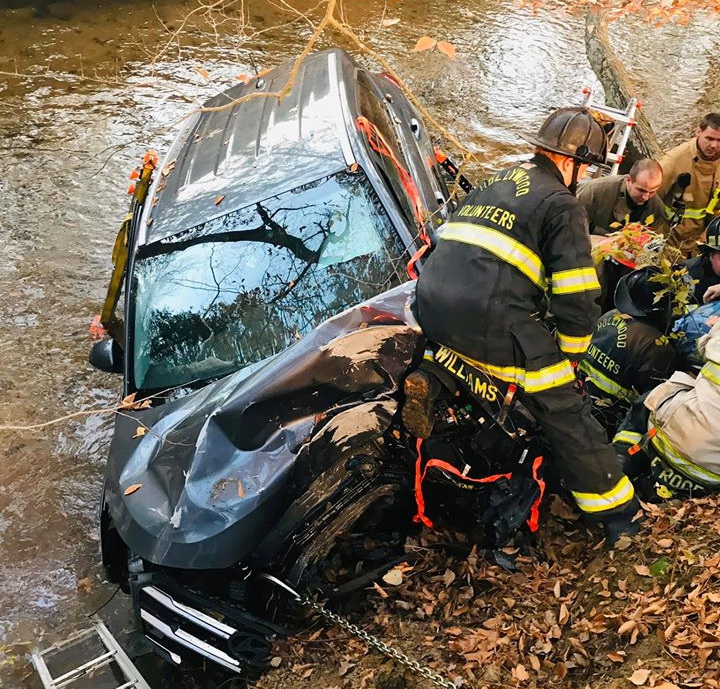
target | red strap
[
  {"x": 420, "y": 474},
  {"x": 411, "y": 270},
  {"x": 379, "y": 145},
  {"x": 534, "y": 519}
]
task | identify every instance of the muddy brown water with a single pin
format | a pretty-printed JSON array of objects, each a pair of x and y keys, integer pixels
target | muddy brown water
[{"x": 85, "y": 88}]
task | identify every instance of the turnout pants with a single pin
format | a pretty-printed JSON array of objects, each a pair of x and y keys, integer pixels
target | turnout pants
[{"x": 586, "y": 461}]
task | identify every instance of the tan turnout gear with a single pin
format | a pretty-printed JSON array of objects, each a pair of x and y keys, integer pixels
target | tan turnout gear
[{"x": 701, "y": 198}]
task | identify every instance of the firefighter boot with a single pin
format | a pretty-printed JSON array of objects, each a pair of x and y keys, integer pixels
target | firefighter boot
[
  {"x": 421, "y": 389},
  {"x": 622, "y": 524}
]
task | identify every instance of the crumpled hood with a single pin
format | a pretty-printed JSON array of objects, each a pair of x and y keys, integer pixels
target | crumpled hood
[{"x": 214, "y": 467}]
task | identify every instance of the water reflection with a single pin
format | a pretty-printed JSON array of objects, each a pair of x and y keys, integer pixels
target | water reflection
[{"x": 246, "y": 285}]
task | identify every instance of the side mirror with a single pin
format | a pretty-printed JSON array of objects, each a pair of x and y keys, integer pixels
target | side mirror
[{"x": 107, "y": 355}]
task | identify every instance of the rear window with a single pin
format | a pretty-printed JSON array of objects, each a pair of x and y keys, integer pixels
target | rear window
[{"x": 243, "y": 287}]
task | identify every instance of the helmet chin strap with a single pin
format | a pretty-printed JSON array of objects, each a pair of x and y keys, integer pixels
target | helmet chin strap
[{"x": 574, "y": 179}]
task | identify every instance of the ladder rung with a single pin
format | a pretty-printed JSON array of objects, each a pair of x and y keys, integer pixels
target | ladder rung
[{"x": 93, "y": 664}]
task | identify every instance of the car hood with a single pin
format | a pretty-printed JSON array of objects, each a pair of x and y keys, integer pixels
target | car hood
[{"x": 197, "y": 482}]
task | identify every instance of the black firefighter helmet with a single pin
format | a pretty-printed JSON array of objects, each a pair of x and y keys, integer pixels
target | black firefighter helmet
[
  {"x": 635, "y": 294},
  {"x": 572, "y": 132},
  {"x": 712, "y": 237}
]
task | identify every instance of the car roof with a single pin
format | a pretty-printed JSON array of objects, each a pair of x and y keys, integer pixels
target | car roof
[{"x": 258, "y": 148}]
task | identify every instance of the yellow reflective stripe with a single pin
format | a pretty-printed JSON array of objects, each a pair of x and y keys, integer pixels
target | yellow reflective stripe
[
  {"x": 695, "y": 213},
  {"x": 629, "y": 437},
  {"x": 711, "y": 371},
  {"x": 545, "y": 378},
  {"x": 573, "y": 345},
  {"x": 680, "y": 463},
  {"x": 549, "y": 377},
  {"x": 576, "y": 280},
  {"x": 504, "y": 247},
  {"x": 621, "y": 493},
  {"x": 688, "y": 213},
  {"x": 602, "y": 382}
]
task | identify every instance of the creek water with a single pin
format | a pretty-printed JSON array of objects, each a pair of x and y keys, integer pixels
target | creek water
[{"x": 87, "y": 87}]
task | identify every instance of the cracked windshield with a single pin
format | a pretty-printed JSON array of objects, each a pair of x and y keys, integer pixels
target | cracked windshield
[
  {"x": 359, "y": 344},
  {"x": 244, "y": 286}
]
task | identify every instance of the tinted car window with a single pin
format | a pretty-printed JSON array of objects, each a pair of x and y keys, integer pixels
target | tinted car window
[{"x": 244, "y": 286}]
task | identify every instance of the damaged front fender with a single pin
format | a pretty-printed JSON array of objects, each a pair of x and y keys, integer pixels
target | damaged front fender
[{"x": 218, "y": 468}]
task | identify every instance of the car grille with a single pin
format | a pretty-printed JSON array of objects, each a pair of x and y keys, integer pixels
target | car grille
[{"x": 176, "y": 627}]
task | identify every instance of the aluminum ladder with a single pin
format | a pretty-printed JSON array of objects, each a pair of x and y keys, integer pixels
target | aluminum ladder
[
  {"x": 624, "y": 122},
  {"x": 112, "y": 654}
]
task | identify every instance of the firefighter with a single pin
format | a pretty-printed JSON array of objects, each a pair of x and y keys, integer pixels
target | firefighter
[
  {"x": 691, "y": 176},
  {"x": 615, "y": 200},
  {"x": 671, "y": 437},
  {"x": 627, "y": 355},
  {"x": 705, "y": 268},
  {"x": 517, "y": 245}
]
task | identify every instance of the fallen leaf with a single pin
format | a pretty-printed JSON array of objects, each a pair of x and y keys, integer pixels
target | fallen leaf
[
  {"x": 658, "y": 568},
  {"x": 564, "y": 614},
  {"x": 616, "y": 657},
  {"x": 140, "y": 431},
  {"x": 354, "y": 167},
  {"x": 394, "y": 577},
  {"x": 131, "y": 489},
  {"x": 129, "y": 400},
  {"x": 218, "y": 200},
  {"x": 84, "y": 585},
  {"x": 241, "y": 489},
  {"x": 202, "y": 72},
  {"x": 643, "y": 570},
  {"x": 520, "y": 673},
  {"x": 424, "y": 43},
  {"x": 276, "y": 661},
  {"x": 344, "y": 667},
  {"x": 448, "y": 577},
  {"x": 380, "y": 590},
  {"x": 390, "y": 22},
  {"x": 243, "y": 77},
  {"x": 168, "y": 168},
  {"x": 447, "y": 49},
  {"x": 639, "y": 677},
  {"x": 559, "y": 508},
  {"x": 627, "y": 627},
  {"x": 623, "y": 543},
  {"x": 556, "y": 589}
]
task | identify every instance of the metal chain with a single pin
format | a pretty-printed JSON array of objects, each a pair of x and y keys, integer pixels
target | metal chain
[
  {"x": 379, "y": 644},
  {"x": 368, "y": 638}
]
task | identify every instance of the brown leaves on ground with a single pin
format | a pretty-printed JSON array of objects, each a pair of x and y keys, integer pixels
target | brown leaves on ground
[{"x": 574, "y": 616}]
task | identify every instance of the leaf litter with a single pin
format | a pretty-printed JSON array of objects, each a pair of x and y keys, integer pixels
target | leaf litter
[{"x": 573, "y": 616}]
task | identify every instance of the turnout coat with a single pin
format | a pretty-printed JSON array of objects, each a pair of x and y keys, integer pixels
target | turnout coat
[{"x": 677, "y": 427}]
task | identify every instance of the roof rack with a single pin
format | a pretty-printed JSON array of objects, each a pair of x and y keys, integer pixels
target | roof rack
[
  {"x": 112, "y": 661},
  {"x": 623, "y": 123}
]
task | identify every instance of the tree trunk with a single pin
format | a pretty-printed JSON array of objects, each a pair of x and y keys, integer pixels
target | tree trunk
[{"x": 618, "y": 85}]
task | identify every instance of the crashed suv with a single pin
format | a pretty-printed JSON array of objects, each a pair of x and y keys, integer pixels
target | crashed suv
[{"x": 266, "y": 218}]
